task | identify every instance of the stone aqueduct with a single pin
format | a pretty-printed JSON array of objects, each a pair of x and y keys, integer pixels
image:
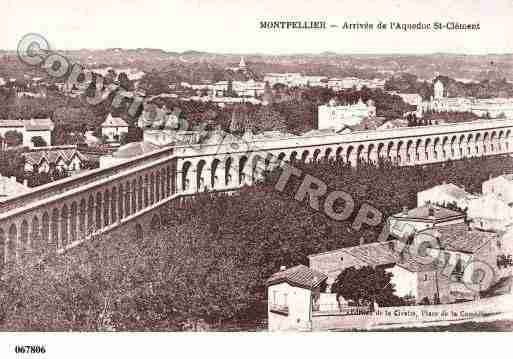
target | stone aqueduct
[{"x": 60, "y": 215}]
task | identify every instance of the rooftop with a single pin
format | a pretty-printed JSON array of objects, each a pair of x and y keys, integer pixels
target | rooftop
[
  {"x": 111, "y": 121},
  {"x": 429, "y": 212},
  {"x": 299, "y": 276},
  {"x": 375, "y": 254},
  {"x": 52, "y": 156},
  {"x": 458, "y": 237},
  {"x": 134, "y": 149}
]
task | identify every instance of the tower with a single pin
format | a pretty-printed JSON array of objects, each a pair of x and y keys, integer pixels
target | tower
[
  {"x": 242, "y": 63},
  {"x": 438, "y": 89}
]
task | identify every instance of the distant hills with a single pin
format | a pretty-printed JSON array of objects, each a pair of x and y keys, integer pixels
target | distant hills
[{"x": 425, "y": 67}]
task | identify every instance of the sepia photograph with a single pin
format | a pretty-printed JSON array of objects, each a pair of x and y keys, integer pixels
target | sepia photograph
[{"x": 253, "y": 171}]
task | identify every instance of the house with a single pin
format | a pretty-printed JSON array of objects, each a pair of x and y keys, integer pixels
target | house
[
  {"x": 409, "y": 221},
  {"x": 10, "y": 187},
  {"x": 113, "y": 128},
  {"x": 41, "y": 127},
  {"x": 375, "y": 254},
  {"x": 290, "y": 296},
  {"x": 445, "y": 194},
  {"x": 63, "y": 160},
  {"x": 333, "y": 115},
  {"x": 502, "y": 186},
  {"x": 490, "y": 212}
]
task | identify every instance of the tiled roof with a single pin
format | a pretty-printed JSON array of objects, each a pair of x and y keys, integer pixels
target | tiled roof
[
  {"x": 35, "y": 158},
  {"x": 439, "y": 213},
  {"x": 300, "y": 276},
  {"x": 458, "y": 237},
  {"x": 417, "y": 264},
  {"x": 39, "y": 124},
  {"x": 11, "y": 123},
  {"x": 114, "y": 122},
  {"x": 374, "y": 254}
]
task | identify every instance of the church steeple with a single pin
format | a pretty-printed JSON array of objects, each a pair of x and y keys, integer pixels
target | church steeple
[{"x": 242, "y": 63}]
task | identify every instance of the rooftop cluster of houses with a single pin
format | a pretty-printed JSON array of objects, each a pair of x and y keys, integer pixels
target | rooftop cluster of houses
[{"x": 442, "y": 272}]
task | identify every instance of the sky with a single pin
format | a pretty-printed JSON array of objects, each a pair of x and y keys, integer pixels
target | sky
[{"x": 232, "y": 26}]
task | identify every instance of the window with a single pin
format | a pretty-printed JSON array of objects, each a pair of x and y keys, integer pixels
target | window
[
  {"x": 499, "y": 244},
  {"x": 425, "y": 277}
]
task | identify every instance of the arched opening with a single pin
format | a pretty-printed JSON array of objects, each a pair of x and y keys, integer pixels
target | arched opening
[
  {"x": 114, "y": 205},
  {"x": 163, "y": 183},
  {"x": 389, "y": 151},
  {"x": 146, "y": 189},
  {"x": 453, "y": 147},
  {"x": 399, "y": 150},
  {"x": 304, "y": 156},
  {"x": 54, "y": 238},
  {"x": 45, "y": 230},
  {"x": 155, "y": 223},
  {"x": 10, "y": 255},
  {"x": 316, "y": 154},
  {"x": 493, "y": 142},
  {"x": 24, "y": 240},
  {"x": 98, "y": 213},
  {"x": 242, "y": 165},
  {"x": 348, "y": 155},
  {"x": 185, "y": 176},
  {"x": 140, "y": 186},
  {"x": 64, "y": 226},
  {"x": 360, "y": 154},
  {"x": 152, "y": 188},
  {"x": 327, "y": 154},
  {"x": 227, "y": 171},
  {"x": 257, "y": 168},
  {"x": 106, "y": 208},
  {"x": 121, "y": 201},
  {"x": 138, "y": 232},
  {"x": 409, "y": 149},
  {"x": 157, "y": 186},
  {"x": 200, "y": 181},
  {"x": 338, "y": 153},
  {"x": 381, "y": 151},
  {"x": 73, "y": 222},
  {"x": 214, "y": 177},
  {"x": 418, "y": 145},
  {"x": 477, "y": 147},
  {"x": 132, "y": 198},
  {"x": 293, "y": 157},
  {"x": 35, "y": 238},
  {"x": 82, "y": 219},
  {"x": 427, "y": 149},
  {"x": 90, "y": 215},
  {"x": 436, "y": 148}
]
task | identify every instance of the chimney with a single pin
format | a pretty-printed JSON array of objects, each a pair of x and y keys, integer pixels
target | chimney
[
  {"x": 25, "y": 182},
  {"x": 362, "y": 241},
  {"x": 431, "y": 211},
  {"x": 282, "y": 268},
  {"x": 405, "y": 210}
]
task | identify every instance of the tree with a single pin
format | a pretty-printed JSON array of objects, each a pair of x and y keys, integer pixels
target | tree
[
  {"x": 365, "y": 286},
  {"x": 13, "y": 138},
  {"x": 38, "y": 141}
]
